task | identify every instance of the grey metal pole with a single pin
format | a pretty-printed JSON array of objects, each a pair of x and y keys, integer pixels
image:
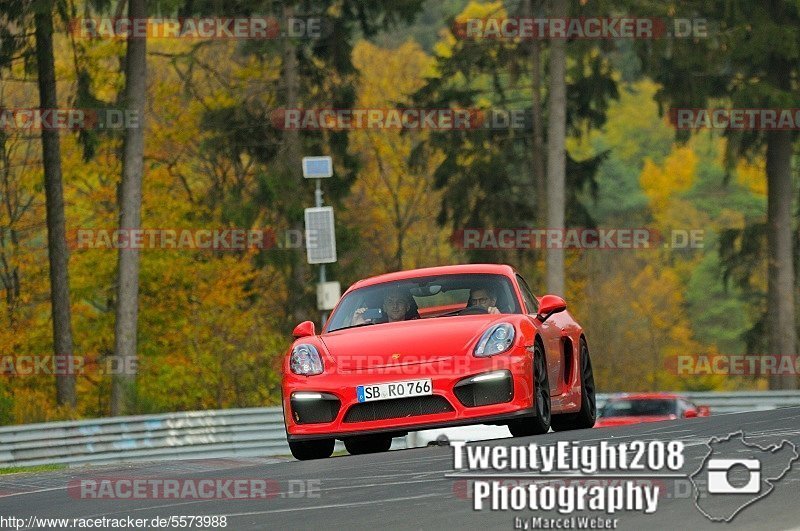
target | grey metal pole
[
  {"x": 318, "y": 193},
  {"x": 318, "y": 203},
  {"x": 324, "y": 315}
]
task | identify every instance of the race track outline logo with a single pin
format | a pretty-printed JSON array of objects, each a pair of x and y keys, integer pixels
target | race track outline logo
[{"x": 724, "y": 461}]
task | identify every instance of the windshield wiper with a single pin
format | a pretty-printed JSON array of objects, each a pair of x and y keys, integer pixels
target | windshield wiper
[
  {"x": 353, "y": 326},
  {"x": 451, "y": 314}
]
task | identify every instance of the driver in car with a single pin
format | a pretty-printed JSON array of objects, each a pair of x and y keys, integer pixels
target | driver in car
[
  {"x": 396, "y": 304},
  {"x": 483, "y": 298}
]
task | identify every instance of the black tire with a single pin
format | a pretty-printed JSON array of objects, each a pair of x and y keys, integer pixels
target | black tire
[
  {"x": 540, "y": 423},
  {"x": 587, "y": 415},
  {"x": 307, "y": 450},
  {"x": 368, "y": 444}
]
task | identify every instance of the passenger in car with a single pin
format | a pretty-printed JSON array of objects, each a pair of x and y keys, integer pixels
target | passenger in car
[{"x": 483, "y": 298}]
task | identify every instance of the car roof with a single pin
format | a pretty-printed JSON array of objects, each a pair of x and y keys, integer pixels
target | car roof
[
  {"x": 647, "y": 396},
  {"x": 496, "y": 269}
]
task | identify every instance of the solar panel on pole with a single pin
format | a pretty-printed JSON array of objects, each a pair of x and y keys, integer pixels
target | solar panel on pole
[
  {"x": 320, "y": 235},
  {"x": 317, "y": 167}
]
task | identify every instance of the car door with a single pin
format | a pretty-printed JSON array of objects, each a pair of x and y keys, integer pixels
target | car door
[{"x": 551, "y": 336}]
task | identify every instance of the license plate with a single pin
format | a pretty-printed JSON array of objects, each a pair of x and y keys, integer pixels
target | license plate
[{"x": 389, "y": 391}]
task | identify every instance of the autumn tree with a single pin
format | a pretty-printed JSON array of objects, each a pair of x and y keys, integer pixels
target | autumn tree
[
  {"x": 130, "y": 203},
  {"x": 316, "y": 72},
  {"x": 392, "y": 202},
  {"x": 742, "y": 65},
  {"x": 58, "y": 254},
  {"x": 486, "y": 173}
]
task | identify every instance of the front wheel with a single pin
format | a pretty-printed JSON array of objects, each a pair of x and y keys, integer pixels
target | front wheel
[
  {"x": 586, "y": 416},
  {"x": 368, "y": 444},
  {"x": 541, "y": 388},
  {"x": 307, "y": 450}
]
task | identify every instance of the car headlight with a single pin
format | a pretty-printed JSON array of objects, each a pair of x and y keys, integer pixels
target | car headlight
[
  {"x": 305, "y": 360},
  {"x": 495, "y": 340}
]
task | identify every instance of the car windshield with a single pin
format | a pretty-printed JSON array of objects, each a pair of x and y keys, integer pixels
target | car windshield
[
  {"x": 639, "y": 408},
  {"x": 425, "y": 298}
]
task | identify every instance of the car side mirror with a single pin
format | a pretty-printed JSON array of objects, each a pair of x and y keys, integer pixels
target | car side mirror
[
  {"x": 550, "y": 304},
  {"x": 690, "y": 414},
  {"x": 304, "y": 329}
]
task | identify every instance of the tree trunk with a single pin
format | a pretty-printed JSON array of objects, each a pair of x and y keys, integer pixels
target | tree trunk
[
  {"x": 58, "y": 254},
  {"x": 780, "y": 291},
  {"x": 556, "y": 153},
  {"x": 289, "y": 163},
  {"x": 130, "y": 203},
  {"x": 291, "y": 137},
  {"x": 538, "y": 155},
  {"x": 9, "y": 271}
]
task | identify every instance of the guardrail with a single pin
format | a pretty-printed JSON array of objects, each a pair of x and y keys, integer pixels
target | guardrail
[
  {"x": 733, "y": 402},
  {"x": 251, "y": 432},
  {"x": 192, "y": 434}
]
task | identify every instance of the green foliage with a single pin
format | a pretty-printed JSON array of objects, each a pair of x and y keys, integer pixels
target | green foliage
[
  {"x": 719, "y": 316},
  {"x": 486, "y": 173}
]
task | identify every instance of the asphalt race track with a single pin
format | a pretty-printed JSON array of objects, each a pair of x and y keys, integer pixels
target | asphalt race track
[{"x": 407, "y": 489}]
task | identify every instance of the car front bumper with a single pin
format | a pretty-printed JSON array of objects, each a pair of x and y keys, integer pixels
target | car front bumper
[{"x": 329, "y": 408}]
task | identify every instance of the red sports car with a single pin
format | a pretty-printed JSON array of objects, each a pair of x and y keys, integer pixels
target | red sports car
[
  {"x": 633, "y": 408},
  {"x": 436, "y": 347}
]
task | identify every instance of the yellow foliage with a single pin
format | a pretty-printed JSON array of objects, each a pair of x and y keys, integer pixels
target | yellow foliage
[
  {"x": 474, "y": 10},
  {"x": 753, "y": 175},
  {"x": 393, "y": 204},
  {"x": 676, "y": 175},
  {"x": 205, "y": 340},
  {"x": 635, "y": 110}
]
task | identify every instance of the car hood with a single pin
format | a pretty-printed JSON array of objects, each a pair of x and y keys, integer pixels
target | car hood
[
  {"x": 624, "y": 421},
  {"x": 407, "y": 342}
]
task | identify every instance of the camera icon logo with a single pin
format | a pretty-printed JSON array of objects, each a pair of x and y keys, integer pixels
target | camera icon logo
[
  {"x": 736, "y": 473},
  {"x": 720, "y": 469}
]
